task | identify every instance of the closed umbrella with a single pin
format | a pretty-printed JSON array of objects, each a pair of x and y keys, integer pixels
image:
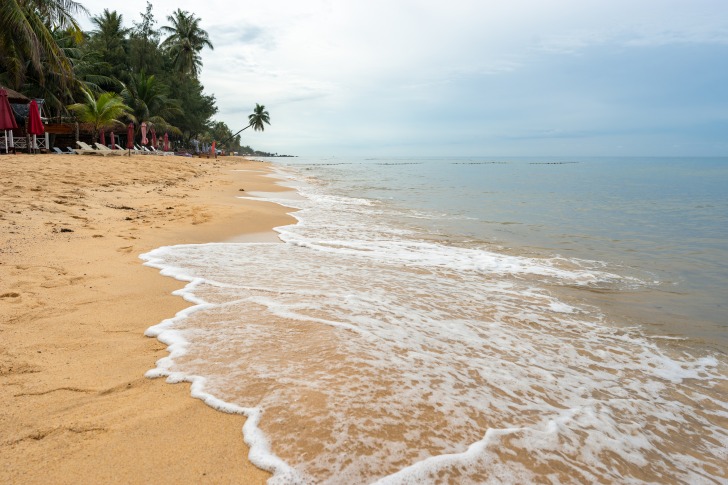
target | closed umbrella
[
  {"x": 7, "y": 119},
  {"x": 102, "y": 138},
  {"x": 130, "y": 137},
  {"x": 154, "y": 137},
  {"x": 212, "y": 149},
  {"x": 144, "y": 133},
  {"x": 113, "y": 141},
  {"x": 166, "y": 142},
  {"x": 35, "y": 125}
]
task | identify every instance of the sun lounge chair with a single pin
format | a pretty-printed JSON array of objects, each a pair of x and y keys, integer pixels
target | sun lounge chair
[
  {"x": 70, "y": 151},
  {"x": 133, "y": 150},
  {"x": 89, "y": 150},
  {"x": 157, "y": 152},
  {"x": 58, "y": 151},
  {"x": 104, "y": 148}
]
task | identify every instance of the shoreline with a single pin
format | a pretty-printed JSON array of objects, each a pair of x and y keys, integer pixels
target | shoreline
[{"x": 76, "y": 300}]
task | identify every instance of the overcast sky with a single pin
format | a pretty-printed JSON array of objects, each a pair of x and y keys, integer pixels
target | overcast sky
[{"x": 466, "y": 77}]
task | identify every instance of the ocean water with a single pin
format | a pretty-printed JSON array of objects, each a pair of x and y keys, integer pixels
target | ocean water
[{"x": 465, "y": 320}]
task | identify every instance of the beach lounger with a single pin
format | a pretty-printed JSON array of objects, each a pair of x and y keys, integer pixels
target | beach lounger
[
  {"x": 104, "y": 148},
  {"x": 83, "y": 151},
  {"x": 140, "y": 150},
  {"x": 125, "y": 150},
  {"x": 58, "y": 151},
  {"x": 86, "y": 149},
  {"x": 70, "y": 151},
  {"x": 159, "y": 152}
]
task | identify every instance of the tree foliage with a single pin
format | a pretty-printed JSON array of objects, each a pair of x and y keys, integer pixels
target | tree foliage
[
  {"x": 27, "y": 43},
  {"x": 186, "y": 40},
  {"x": 109, "y": 43},
  {"x": 149, "y": 101},
  {"x": 101, "y": 112},
  {"x": 114, "y": 73},
  {"x": 259, "y": 118}
]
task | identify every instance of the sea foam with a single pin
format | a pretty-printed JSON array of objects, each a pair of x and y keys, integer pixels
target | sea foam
[{"x": 361, "y": 351}]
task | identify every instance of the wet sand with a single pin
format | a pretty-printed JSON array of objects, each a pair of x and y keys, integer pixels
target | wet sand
[{"x": 75, "y": 301}]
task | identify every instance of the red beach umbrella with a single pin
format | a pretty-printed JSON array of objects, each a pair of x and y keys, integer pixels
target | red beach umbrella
[
  {"x": 130, "y": 136},
  {"x": 102, "y": 137},
  {"x": 144, "y": 133},
  {"x": 35, "y": 125},
  {"x": 113, "y": 141},
  {"x": 212, "y": 149},
  {"x": 7, "y": 119},
  {"x": 166, "y": 142},
  {"x": 154, "y": 137}
]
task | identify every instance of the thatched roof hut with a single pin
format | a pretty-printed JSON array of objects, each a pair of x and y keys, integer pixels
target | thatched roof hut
[{"x": 16, "y": 97}]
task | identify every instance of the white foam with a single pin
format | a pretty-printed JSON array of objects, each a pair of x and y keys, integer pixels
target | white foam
[
  {"x": 260, "y": 454},
  {"x": 375, "y": 347},
  {"x": 308, "y": 233}
]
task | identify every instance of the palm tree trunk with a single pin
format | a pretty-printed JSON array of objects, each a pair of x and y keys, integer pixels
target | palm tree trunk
[{"x": 236, "y": 134}]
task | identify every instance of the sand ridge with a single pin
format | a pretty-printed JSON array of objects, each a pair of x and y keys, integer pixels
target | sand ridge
[{"x": 75, "y": 301}]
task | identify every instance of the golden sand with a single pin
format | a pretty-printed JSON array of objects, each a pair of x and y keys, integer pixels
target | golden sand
[{"x": 75, "y": 300}]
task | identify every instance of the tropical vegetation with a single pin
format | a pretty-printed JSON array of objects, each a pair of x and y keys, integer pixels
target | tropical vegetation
[
  {"x": 186, "y": 40},
  {"x": 112, "y": 73},
  {"x": 102, "y": 112}
]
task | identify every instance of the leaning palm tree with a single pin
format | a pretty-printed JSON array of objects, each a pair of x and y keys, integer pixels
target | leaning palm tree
[
  {"x": 101, "y": 113},
  {"x": 185, "y": 42},
  {"x": 259, "y": 116},
  {"x": 26, "y": 39},
  {"x": 257, "y": 120}
]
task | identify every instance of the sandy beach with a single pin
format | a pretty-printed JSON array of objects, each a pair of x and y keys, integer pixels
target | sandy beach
[{"x": 75, "y": 301}]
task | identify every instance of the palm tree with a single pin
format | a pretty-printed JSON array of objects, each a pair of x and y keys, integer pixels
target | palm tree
[
  {"x": 103, "y": 112},
  {"x": 88, "y": 68},
  {"x": 259, "y": 116},
  {"x": 148, "y": 101},
  {"x": 185, "y": 42},
  {"x": 27, "y": 41},
  {"x": 110, "y": 42},
  {"x": 257, "y": 120}
]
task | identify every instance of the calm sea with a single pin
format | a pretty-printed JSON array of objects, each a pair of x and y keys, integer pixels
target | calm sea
[{"x": 471, "y": 320}]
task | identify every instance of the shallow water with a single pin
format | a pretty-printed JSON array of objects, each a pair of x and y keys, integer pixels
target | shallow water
[{"x": 381, "y": 341}]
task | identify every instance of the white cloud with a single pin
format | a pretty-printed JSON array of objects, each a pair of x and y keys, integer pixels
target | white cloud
[{"x": 357, "y": 72}]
